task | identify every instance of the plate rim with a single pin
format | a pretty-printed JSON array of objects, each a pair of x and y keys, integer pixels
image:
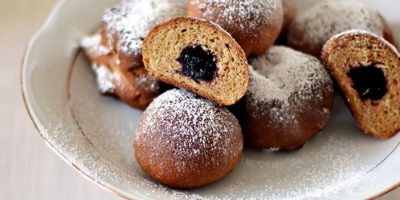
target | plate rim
[{"x": 56, "y": 7}]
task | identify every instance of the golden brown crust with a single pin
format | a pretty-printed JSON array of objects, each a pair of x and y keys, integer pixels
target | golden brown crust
[
  {"x": 190, "y": 85},
  {"x": 354, "y": 49},
  {"x": 134, "y": 85},
  {"x": 253, "y": 39}
]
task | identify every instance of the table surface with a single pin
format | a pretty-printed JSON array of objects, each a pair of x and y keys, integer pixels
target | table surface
[{"x": 28, "y": 168}]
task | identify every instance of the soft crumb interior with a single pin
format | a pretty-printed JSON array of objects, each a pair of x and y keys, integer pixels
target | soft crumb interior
[
  {"x": 166, "y": 46},
  {"x": 380, "y": 118}
]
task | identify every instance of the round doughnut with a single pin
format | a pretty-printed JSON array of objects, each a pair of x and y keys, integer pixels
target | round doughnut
[
  {"x": 185, "y": 141},
  {"x": 288, "y": 100}
]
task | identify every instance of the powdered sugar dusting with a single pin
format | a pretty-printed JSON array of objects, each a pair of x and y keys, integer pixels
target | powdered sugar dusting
[
  {"x": 328, "y": 18},
  {"x": 104, "y": 78},
  {"x": 246, "y": 15},
  {"x": 332, "y": 167},
  {"x": 75, "y": 148},
  {"x": 339, "y": 171},
  {"x": 287, "y": 79},
  {"x": 93, "y": 45},
  {"x": 192, "y": 127},
  {"x": 326, "y": 166},
  {"x": 131, "y": 20}
]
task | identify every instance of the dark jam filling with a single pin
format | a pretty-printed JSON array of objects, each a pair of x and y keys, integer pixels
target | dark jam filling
[
  {"x": 198, "y": 63},
  {"x": 369, "y": 81}
]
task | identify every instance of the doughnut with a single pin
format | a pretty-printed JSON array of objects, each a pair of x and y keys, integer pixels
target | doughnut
[
  {"x": 367, "y": 69},
  {"x": 255, "y": 24},
  {"x": 310, "y": 30},
  {"x": 199, "y": 56},
  {"x": 184, "y": 141},
  {"x": 288, "y": 101},
  {"x": 115, "y": 51}
]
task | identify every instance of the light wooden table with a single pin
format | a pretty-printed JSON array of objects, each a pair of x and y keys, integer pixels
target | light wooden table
[{"x": 28, "y": 168}]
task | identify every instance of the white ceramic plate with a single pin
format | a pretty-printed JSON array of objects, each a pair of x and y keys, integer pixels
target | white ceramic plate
[{"x": 94, "y": 133}]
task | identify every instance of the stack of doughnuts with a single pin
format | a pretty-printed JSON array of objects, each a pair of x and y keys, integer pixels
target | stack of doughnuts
[{"x": 233, "y": 87}]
